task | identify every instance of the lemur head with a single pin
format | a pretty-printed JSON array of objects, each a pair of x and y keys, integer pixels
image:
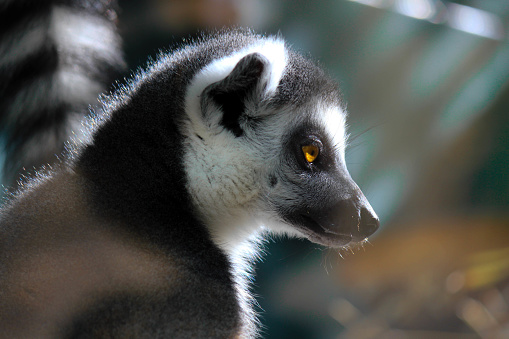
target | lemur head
[{"x": 265, "y": 147}]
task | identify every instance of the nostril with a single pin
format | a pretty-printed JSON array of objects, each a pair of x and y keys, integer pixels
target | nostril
[{"x": 369, "y": 223}]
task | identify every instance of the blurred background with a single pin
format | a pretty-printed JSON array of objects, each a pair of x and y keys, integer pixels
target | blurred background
[{"x": 427, "y": 86}]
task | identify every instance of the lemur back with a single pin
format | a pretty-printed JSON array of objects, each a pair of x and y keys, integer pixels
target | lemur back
[{"x": 147, "y": 228}]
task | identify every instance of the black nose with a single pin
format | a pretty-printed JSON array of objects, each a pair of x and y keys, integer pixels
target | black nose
[
  {"x": 352, "y": 218},
  {"x": 368, "y": 224}
]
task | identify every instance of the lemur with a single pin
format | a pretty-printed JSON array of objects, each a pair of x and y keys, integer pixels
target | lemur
[{"x": 146, "y": 229}]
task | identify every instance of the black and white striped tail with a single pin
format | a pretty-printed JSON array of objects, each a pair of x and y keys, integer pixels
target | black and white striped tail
[{"x": 56, "y": 57}]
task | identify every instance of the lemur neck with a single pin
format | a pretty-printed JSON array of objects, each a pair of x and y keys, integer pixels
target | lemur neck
[{"x": 242, "y": 250}]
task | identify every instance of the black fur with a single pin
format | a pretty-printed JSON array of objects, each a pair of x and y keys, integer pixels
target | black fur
[
  {"x": 154, "y": 315},
  {"x": 305, "y": 78},
  {"x": 17, "y": 14},
  {"x": 231, "y": 93}
]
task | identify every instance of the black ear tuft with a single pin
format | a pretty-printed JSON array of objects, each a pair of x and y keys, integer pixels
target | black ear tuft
[{"x": 232, "y": 92}]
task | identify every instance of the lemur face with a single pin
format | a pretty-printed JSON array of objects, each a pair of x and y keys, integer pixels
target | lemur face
[
  {"x": 311, "y": 189},
  {"x": 266, "y": 147}
]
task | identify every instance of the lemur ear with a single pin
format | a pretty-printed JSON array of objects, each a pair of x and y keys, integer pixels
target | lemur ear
[{"x": 232, "y": 93}]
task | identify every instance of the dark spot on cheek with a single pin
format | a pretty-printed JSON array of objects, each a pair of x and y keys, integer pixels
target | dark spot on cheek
[{"x": 272, "y": 180}]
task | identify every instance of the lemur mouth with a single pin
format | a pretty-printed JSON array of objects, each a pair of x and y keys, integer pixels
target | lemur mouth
[{"x": 322, "y": 235}]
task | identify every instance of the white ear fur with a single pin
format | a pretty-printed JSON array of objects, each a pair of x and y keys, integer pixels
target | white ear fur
[{"x": 272, "y": 49}]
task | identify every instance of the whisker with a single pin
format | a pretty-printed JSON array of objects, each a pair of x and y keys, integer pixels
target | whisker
[{"x": 353, "y": 138}]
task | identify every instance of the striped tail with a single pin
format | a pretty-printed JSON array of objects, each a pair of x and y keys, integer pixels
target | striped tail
[{"x": 56, "y": 57}]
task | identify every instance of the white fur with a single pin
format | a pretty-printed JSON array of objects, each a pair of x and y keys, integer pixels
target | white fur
[
  {"x": 223, "y": 183},
  {"x": 75, "y": 31},
  {"x": 334, "y": 121},
  {"x": 76, "y": 87}
]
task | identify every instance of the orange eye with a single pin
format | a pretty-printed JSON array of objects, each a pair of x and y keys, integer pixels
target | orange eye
[{"x": 310, "y": 152}]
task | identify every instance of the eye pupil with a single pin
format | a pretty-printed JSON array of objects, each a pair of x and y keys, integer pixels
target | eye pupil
[{"x": 310, "y": 152}]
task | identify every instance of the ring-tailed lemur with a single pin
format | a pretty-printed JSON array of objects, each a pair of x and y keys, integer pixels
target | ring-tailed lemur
[{"x": 147, "y": 228}]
